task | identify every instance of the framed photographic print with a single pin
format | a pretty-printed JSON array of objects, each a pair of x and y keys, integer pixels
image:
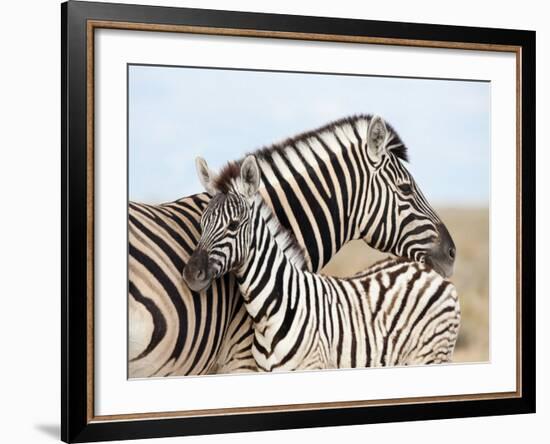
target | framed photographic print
[{"x": 275, "y": 221}]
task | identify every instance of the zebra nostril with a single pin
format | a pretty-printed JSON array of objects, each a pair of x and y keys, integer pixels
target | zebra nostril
[
  {"x": 452, "y": 252},
  {"x": 200, "y": 274}
]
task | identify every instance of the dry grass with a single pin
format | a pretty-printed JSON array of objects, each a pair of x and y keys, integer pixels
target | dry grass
[{"x": 469, "y": 228}]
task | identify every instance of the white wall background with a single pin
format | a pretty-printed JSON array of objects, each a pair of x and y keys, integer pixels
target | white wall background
[{"x": 30, "y": 218}]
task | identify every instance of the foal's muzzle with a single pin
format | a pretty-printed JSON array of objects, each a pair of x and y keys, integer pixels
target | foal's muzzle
[{"x": 196, "y": 273}]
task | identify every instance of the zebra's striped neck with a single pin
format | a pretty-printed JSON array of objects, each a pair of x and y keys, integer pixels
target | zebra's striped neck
[
  {"x": 272, "y": 251},
  {"x": 317, "y": 184},
  {"x": 283, "y": 239}
]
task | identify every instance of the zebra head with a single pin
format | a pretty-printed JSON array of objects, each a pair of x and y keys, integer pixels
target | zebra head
[
  {"x": 398, "y": 219},
  {"x": 225, "y": 224}
]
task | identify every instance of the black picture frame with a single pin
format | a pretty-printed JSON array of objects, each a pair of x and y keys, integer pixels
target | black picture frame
[{"x": 77, "y": 425}]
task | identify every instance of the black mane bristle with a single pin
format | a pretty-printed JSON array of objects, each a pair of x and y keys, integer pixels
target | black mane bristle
[
  {"x": 397, "y": 147},
  {"x": 230, "y": 171}
]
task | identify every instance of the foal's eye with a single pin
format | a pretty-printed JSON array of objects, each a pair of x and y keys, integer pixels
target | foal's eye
[
  {"x": 405, "y": 188},
  {"x": 233, "y": 225}
]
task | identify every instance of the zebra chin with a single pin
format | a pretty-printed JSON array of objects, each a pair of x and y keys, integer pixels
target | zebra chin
[
  {"x": 196, "y": 285},
  {"x": 443, "y": 267}
]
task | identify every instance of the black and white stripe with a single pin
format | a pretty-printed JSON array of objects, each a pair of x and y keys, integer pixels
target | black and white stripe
[
  {"x": 398, "y": 312},
  {"x": 329, "y": 186}
]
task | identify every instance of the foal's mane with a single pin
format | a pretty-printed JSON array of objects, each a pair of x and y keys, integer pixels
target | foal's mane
[{"x": 284, "y": 238}]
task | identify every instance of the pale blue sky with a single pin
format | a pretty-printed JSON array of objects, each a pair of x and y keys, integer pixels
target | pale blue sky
[{"x": 177, "y": 113}]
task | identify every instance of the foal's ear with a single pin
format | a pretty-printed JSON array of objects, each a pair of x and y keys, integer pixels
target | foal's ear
[
  {"x": 377, "y": 135},
  {"x": 250, "y": 176},
  {"x": 206, "y": 176}
]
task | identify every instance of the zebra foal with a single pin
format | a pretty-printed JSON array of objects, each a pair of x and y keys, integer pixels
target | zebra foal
[{"x": 397, "y": 312}]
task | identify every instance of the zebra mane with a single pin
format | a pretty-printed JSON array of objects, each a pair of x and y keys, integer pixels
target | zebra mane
[
  {"x": 232, "y": 170},
  {"x": 396, "y": 145},
  {"x": 284, "y": 238},
  {"x": 229, "y": 172}
]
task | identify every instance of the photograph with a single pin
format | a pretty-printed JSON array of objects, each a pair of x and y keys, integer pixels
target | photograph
[{"x": 283, "y": 220}]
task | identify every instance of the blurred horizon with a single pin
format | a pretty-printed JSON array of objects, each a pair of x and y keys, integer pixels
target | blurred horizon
[{"x": 178, "y": 113}]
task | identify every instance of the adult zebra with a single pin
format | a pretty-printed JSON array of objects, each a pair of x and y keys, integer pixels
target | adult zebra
[
  {"x": 397, "y": 312},
  {"x": 340, "y": 182}
]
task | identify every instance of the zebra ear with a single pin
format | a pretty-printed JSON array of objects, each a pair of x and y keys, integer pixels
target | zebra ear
[
  {"x": 250, "y": 176},
  {"x": 377, "y": 134},
  {"x": 206, "y": 176}
]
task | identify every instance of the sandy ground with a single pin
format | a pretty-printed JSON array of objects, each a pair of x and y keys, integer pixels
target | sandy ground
[{"x": 469, "y": 228}]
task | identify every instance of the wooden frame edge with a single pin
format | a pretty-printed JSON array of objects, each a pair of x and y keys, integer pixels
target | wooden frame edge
[
  {"x": 90, "y": 209},
  {"x": 284, "y": 408},
  {"x": 237, "y": 32}
]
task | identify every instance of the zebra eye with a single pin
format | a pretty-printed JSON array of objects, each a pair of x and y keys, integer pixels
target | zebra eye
[
  {"x": 233, "y": 225},
  {"x": 405, "y": 188}
]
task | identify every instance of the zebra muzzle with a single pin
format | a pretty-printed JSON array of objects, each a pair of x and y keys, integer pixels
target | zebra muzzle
[
  {"x": 196, "y": 273},
  {"x": 442, "y": 256}
]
